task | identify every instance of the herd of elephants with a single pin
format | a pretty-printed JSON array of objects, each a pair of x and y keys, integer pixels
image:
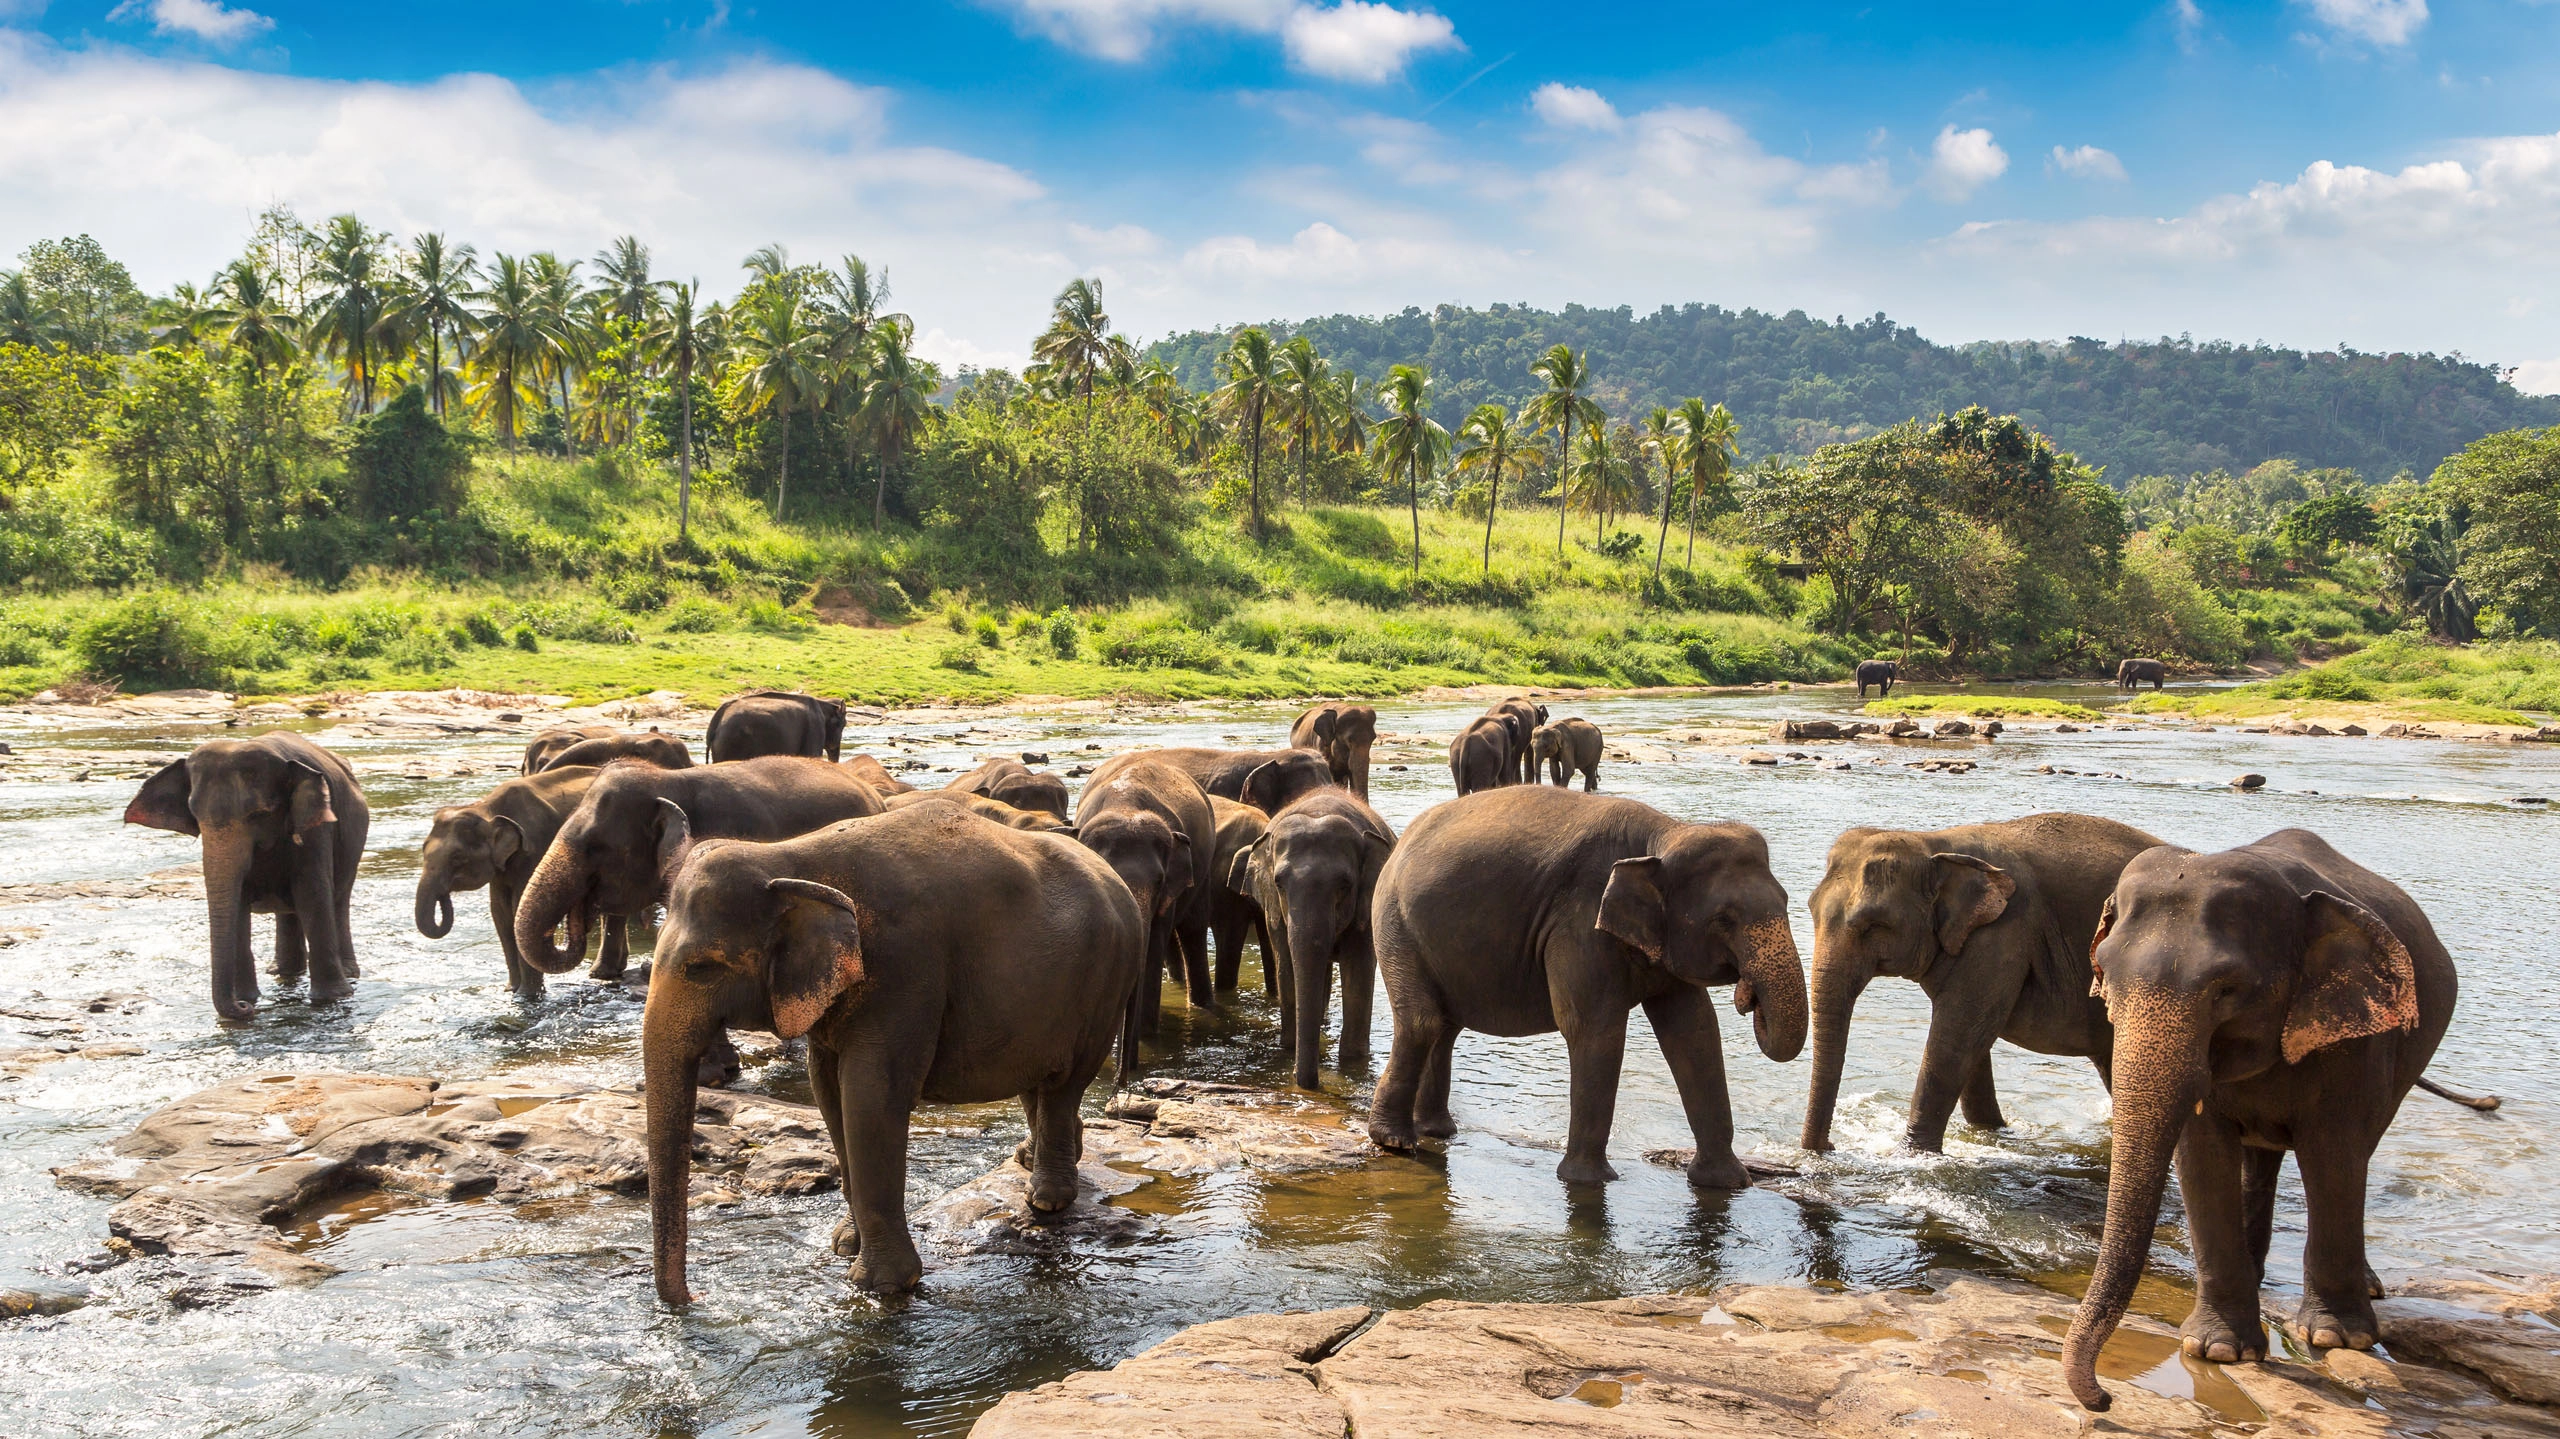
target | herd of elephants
[{"x": 991, "y": 939}]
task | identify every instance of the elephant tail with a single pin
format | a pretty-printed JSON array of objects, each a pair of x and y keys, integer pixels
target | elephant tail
[
  {"x": 1132, "y": 1019},
  {"x": 2482, "y": 1102}
]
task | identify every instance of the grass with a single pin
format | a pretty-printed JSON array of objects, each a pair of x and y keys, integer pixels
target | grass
[
  {"x": 2400, "y": 677},
  {"x": 1983, "y": 706}
]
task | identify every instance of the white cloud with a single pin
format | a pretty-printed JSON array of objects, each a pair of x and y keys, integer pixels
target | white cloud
[
  {"x": 2189, "y": 18},
  {"x": 2088, "y": 162},
  {"x": 2539, "y": 377},
  {"x": 1571, "y": 107},
  {"x": 1347, "y": 40},
  {"x": 206, "y": 20},
  {"x": 1963, "y": 161},
  {"x": 2378, "y": 22}
]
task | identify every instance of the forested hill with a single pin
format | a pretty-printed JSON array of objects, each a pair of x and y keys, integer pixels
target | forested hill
[{"x": 2157, "y": 407}]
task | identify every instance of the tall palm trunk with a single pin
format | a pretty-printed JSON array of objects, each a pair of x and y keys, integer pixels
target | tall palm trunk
[
  {"x": 782, "y": 485},
  {"x": 1692, "y": 561},
  {"x": 227, "y": 852},
  {"x": 568, "y": 433},
  {"x": 435, "y": 367},
  {"x": 1662, "y": 540},
  {"x": 684, "y": 456},
  {"x": 670, "y": 1046},
  {"x": 1257, "y": 472},
  {"x": 2159, "y": 1079},
  {"x": 1413, "y": 498},
  {"x": 1838, "y": 980},
  {"x": 1492, "y": 502},
  {"x": 1564, "y": 480}
]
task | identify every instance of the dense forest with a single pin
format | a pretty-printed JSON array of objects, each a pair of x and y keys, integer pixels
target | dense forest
[{"x": 2161, "y": 407}]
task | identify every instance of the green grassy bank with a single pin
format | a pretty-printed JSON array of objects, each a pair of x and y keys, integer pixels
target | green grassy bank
[{"x": 2399, "y": 677}]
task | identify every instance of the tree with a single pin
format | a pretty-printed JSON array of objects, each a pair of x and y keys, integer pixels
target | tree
[
  {"x": 1253, "y": 380},
  {"x": 624, "y": 289},
  {"x": 1859, "y": 514},
  {"x": 896, "y": 400},
  {"x": 2423, "y": 535},
  {"x": 1702, "y": 451},
  {"x": 2510, "y": 484},
  {"x": 1568, "y": 377},
  {"x": 679, "y": 340},
  {"x": 402, "y": 465},
  {"x": 26, "y": 318},
  {"x": 436, "y": 283},
  {"x": 514, "y": 343},
  {"x": 1484, "y": 443},
  {"x": 248, "y": 318},
  {"x": 1661, "y": 439},
  {"x": 1305, "y": 396},
  {"x": 779, "y": 351},
  {"x": 48, "y": 402},
  {"x": 1410, "y": 439},
  {"x": 94, "y": 306},
  {"x": 1077, "y": 348},
  {"x": 347, "y": 311},
  {"x": 566, "y": 348}
]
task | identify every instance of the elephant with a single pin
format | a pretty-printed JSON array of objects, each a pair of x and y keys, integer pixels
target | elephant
[
  {"x": 282, "y": 824},
  {"x": 927, "y": 957},
  {"x": 611, "y": 855},
  {"x": 545, "y": 747},
  {"x": 1152, "y": 824},
  {"x": 1881, "y": 674},
  {"x": 495, "y": 841},
  {"x": 875, "y": 774},
  {"x": 1037, "y": 821},
  {"x": 663, "y": 750},
  {"x": 1010, "y": 781},
  {"x": 1480, "y": 755},
  {"x": 1342, "y": 733},
  {"x": 1232, "y": 910},
  {"x": 2271, "y": 997},
  {"x": 1313, "y": 874},
  {"x": 1267, "y": 779},
  {"x": 770, "y": 722},
  {"x": 1521, "y": 717},
  {"x": 1527, "y": 910},
  {"x": 1564, "y": 747},
  {"x": 2130, "y": 674},
  {"x": 1993, "y": 922}
]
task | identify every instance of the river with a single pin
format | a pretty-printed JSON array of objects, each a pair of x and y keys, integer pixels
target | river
[{"x": 467, "y": 1317}]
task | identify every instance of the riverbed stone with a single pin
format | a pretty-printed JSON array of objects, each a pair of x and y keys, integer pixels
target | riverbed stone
[{"x": 1964, "y": 1355}]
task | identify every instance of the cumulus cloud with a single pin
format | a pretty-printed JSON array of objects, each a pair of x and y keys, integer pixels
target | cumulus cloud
[
  {"x": 1571, "y": 107},
  {"x": 2538, "y": 377},
  {"x": 2388, "y": 23},
  {"x": 206, "y": 20},
  {"x": 2087, "y": 162},
  {"x": 1961, "y": 162},
  {"x": 1358, "y": 40}
]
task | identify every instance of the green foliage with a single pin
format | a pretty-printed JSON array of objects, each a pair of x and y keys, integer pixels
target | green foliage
[
  {"x": 402, "y": 465},
  {"x": 1623, "y": 545},
  {"x": 2510, "y": 485},
  {"x": 48, "y": 405},
  {"x": 154, "y": 640},
  {"x": 962, "y": 657},
  {"x": 1064, "y": 634},
  {"x": 1982, "y": 706},
  {"x": 694, "y": 615}
]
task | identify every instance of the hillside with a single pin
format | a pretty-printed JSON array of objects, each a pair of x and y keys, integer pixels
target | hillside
[{"x": 1796, "y": 383}]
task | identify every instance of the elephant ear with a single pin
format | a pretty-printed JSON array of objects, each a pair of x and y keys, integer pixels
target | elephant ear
[
  {"x": 1632, "y": 907},
  {"x": 1239, "y": 876},
  {"x": 162, "y": 802},
  {"x": 1261, "y": 781},
  {"x": 506, "y": 840},
  {"x": 1374, "y": 849},
  {"x": 675, "y": 835},
  {"x": 1323, "y": 725},
  {"x": 2357, "y": 978},
  {"x": 2106, "y": 926},
  {"x": 310, "y": 799},
  {"x": 818, "y": 956},
  {"x": 1971, "y": 893}
]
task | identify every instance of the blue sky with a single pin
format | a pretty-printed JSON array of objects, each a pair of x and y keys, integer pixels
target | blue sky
[{"x": 2384, "y": 173}]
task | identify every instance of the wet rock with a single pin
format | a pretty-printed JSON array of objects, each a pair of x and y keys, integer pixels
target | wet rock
[
  {"x": 30, "y": 1303},
  {"x": 1903, "y": 728},
  {"x": 1951, "y": 729},
  {"x": 1754, "y": 756},
  {"x": 2352, "y": 731},
  {"x": 1793, "y": 731},
  {"x": 2499, "y": 1329},
  {"x": 1972, "y": 1356},
  {"x": 2249, "y": 781},
  {"x": 2066, "y": 727}
]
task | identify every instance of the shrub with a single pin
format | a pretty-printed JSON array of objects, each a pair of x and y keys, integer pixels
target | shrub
[
  {"x": 960, "y": 657},
  {"x": 1168, "y": 647},
  {"x": 402, "y": 464},
  {"x": 153, "y": 638},
  {"x": 330, "y": 668},
  {"x": 1624, "y": 545},
  {"x": 482, "y": 629},
  {"x": 17, "y": 647},
  {"x": 770, "y": 617},
  {"x": 525, "y": 640},
  {"x": 421, "y": 653},
  {"x": 694, "y": 615},
  {"x": 1062, "y": 634},
  {"x": 641, "y": 592}
]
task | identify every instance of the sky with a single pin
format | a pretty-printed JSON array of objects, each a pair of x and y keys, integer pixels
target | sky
[{"x": 2378, "y": 173}]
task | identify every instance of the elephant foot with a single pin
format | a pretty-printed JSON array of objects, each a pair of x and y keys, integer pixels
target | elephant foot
[
  {"x": 337, "y": 993},
  {"x": 1925, "y": 1143},
  {"x": 2372, "y": 1284},
  {"x": 530, "y": 993},
  {"x": 846, "y": 1242},
  {"x": 1394, "y": 1138},
  {"x": 1436, "y": 1126},
  {"x": 882, "y": 1275},
  {"x": 1022, "y": 1152},
  {"x": 2222, "y": 1338},
  {"x": 1050, "y": 1195},
  {"x": 1585, "y": 1171},
  {"x": 1721, "y": 1172},
  {"x": 2324, "y": 1326}
]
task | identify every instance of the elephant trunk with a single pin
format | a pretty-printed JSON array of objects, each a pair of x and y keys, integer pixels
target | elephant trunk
[
  {"x": 434, "y": 905},
  {"x": 227, "y": 852},
  {"x": 670, "y": 1050},
  {"x": 1772, "y": 988},
  {"x": 1839, "y": 977},
  {"x": 1360, "y": 771},
  {"x": 1315, "y": 935},
  {"x": 557, "y": 891},
  {"x": 2158, "y": 1082}
]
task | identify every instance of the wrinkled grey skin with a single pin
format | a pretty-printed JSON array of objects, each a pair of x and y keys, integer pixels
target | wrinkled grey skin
[
  {"x": 928, "y": 957},
  {"x": 1565, "y": 748},
  {"x": 1233, "y": 912},
  {"x": 1037, "y": 821},
  {"x": 495, "y": 842},
  {"x": 1343, "y": 733},
  {"x": 1312, "y": 875},
  {"x": 1153, "y": 826},
  {"x": 1529, "y": 910},
  {"x": 770, "y": 722},
  {"x": 1480, "y": 756},
  {"x": 2271, "y": 997},
  {"x": 1010, "y": 781},
  {"x": 875, "y": 774},
  {"x": 2133, "y": 674},
  {"x": 544, "y": 748},
  {"x": 1993, "y": 922},
  {"x": 282, "y": 824},
  {"x": 1881, "y": 674},
  {"x": 1267, "y": 779},
  {"x": 1520, "y": 718},
  {"x": 663, "y": 750}
]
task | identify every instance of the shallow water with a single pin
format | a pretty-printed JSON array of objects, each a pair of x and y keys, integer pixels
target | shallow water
[{"x": 449, "y": 1317}]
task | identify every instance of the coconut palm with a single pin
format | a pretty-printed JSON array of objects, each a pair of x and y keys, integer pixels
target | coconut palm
[
  {"x": 1409, "y": 439},
  {"x": 1346, "y": 412},
  {"x": 247, "y": 317},
  {"x": 1565, "y": 400},
  {"x": 25, "y": 317},
  {"x": 514, "y": 343},
  {"x": 848, "y": 303},
  {"x": 555, "y": 287},
  {"x": 347, "y": 310},
  {"x": 1660, "y": 440},
  {"x": 1254, "y": 380},
  {"x": 435, "y": 281},
  {"x": 779, "y": 351},
  {"x": 1076, "y": 349},
  {"x": 1703, "y": 455},
  {"x": 623, "y": 286},
  {"x": 897, "y": 399},
  {"x": 1305, "y": 401},
  {"x": 1485, "y": 442},
  {"x": 679, "y": 339},
  {"x": 1169, "y": 403}
]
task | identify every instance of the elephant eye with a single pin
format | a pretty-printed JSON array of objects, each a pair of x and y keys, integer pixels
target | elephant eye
[{"x": 702, "y": 970}]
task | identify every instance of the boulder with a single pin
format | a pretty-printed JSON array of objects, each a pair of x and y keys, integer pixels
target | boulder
[
  {"x": 2249, "y": 781},
  {"x": 1793, "y": 731},
  {"x": 2352, "y": 731},
  {"x": 1951, "y": 728},
  {"x": 1755, "y": 756}
]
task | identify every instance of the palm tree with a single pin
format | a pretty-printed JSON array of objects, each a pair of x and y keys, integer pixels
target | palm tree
[
  {"x": 1410, "y": 438},
  {"x": 347, "y": 310},
  {"x": 1568, "y": 378},
  {"x": 1170, "y": 403},
  {"x": 247, "y": 317},
  {"x": 849, "y": 301},
  {"x": 555, "y": 287},
  {"x": 1254, "y": 380},
  {"x": 436, "y": 280},
  {"x": 1591, "y": 464},
  {"x": 780, "y": 351},
  {"x": 897, "y": 399},
  {"x": 1485, "y": 442},
  {"x": 1704, "y": 457},
  {"x": 25, "y": 318},
  {"x": 514, "y": 343},
  {"x": 1346, "y": 414},
  {"x": 1660, "y": 439},
  {"x": 680, "y": 340},
  {"x": 1077, "y": 348},
  {"x": 624, "y": 287},
  {"x": 1304, "y": 396}
]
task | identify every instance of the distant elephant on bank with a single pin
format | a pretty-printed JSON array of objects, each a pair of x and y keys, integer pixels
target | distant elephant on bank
[
  {"x": 1993, "y": 921},
  {"x": 1528, "y": 910},
  {"x": 1343, "y": 733},
  {"x": 1480, "y": 756},
  {"x": 1881, "y": 674},
  {"x": 928, "y": 957},
  {"x": 494, "y": 842},
  {"x": 2271, "y": 997},
  {"x": 1313, "y": 874},
  {"x": 282, "y": 824},
  {"x": 1010, "y": 781},
  {"x": 2132, "y": 674},
  {"x": 1565, "y": 748},
  {"x": 1520, "y": 717},
  {"x": 770, "y": 722}
]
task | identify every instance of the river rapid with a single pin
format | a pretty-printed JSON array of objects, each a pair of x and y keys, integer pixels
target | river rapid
[{"x": 466, "y": 1317}]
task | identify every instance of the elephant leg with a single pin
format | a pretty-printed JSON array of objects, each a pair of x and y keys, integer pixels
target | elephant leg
[
  {"x": 1684, "y": 1022},
  {"x": 1057, "y": 1138},
  {"x": 875, "y": 1107},
  {"x": 1431, "y": 1117},
  {"x": 1279, "y": 967},
  {"x": 1981, "y": 1098},
  {"x": 1197, "y": 986},
  {"x": 291, "y": 957},
  {"x": 1421, "y": 1029},
  {"x": 2337, "y": 1307},
  {"x": 614, "y": 955},
  {"x": 1591, "y": 778},
  {"x": 719, "y": 1063},
  {"x": 523, "y": 978},
  {"x": 1960, "y": 1034},
  {"x": 1359, "y": 990},
  {"x": 1227, "y": 936},
  {"x": 2259, "y": 1169},
  {"x": 2224, "y": 1326},
  {"x": 1597, "y": 1046},
  {"x": 824, "y": 1064},
  {"x": 315, "y": 900},
  {"x": 1270, "y": 971},
  {"x": 1151, "y": 980}
]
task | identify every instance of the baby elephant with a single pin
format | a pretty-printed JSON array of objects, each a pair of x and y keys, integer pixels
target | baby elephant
[
  {"x": 1526, "y": 910},
  {"x": 1313, "y": 874},
  {"x": 2271, "y": 997},
  {"x": 495, "y": 841},
  {"x": 1564, "y": 747}
]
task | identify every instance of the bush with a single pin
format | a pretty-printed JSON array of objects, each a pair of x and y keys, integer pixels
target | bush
[
  {"x": 1063, "y": 638},
  {"x": 330, "y": 668},
  {"x": 641, "y": 592},
  {"x": 694, "y": 615},
  {"x": 1167, "y": 647},
  {"x": 770, "y": 617},
  {"x": 482, "y": 629},
  {"x": 153, "y": 639},
  {"x": 1624, "y": 545},
  {"x": 525, "y": 640},
  {"x": 989, "y": 634},
  {"x": 402, "y": 465},
  {"x": 421, "y": 653},
  {"x": 962, "y": 657}
]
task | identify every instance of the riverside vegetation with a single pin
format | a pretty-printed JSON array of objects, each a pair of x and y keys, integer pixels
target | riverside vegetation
[{"x": 348, "y": 463}]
